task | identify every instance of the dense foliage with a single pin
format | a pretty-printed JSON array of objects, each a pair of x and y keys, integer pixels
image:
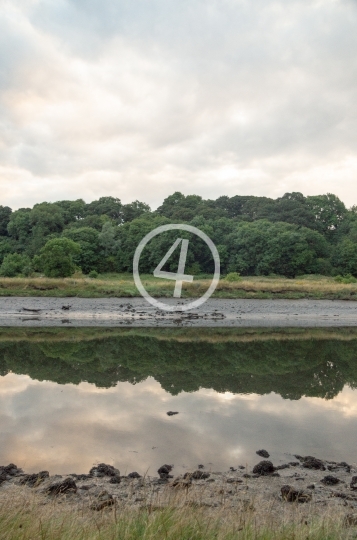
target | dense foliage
[
  {"x": 290, "y": 236},
  {"x": 291, "y": 368}
]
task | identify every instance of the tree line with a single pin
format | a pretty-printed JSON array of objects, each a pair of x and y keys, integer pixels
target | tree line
[{"x": 288, "y": 236}]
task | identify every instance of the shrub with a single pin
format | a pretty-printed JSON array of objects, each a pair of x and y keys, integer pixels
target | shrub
[
  {"x": 233, "y": 276},
  {"x": 93, "y": 274},
  {"x": 348, "y": 278}
]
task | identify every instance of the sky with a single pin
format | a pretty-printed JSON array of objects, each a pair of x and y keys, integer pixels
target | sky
[{"x": 137, "y": 99}]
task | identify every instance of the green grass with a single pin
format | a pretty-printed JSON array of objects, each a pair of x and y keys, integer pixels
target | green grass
[
  {"x": 30, "y": 517},
  {"x": 122, "y": 285}
]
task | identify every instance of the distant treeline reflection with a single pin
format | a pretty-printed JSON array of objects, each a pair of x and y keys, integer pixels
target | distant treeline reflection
[{"x": 291, "y": 367}]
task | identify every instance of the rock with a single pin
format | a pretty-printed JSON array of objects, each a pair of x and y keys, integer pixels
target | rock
[
  {"x": 115, "y": 479},
  {"x": 234, "y": 480},
  {"x": 350, "y": 520},
  {"x": 104, "y": 470},
  {"x": 291, "y": 494},
  {"x": 33, "y": 480},
  {"x": 353, "y": 483},
  {"x": 264, "y": 468},
  {"x": 200, "y": 466},
  {"x": 172, "y": 413},
  {"x": 165, "y": 469},
  {"x": 281, "y": 467},
  {"x": 232, "y": 469},
  {"x": 310, "y": 486},
  {"x": 197, "y": 475},
  {"x": 263, "y": 453},
  {"x": 103, "y": 500},
  {"x": 164, "y": 472},
  {"x": 10, "y": 470},
  {"x": 134, "y": 475},
  {"x": 330, "y": 480},
  {"x": 67, "y": 485},
  {"x": 310, "y": 462}
]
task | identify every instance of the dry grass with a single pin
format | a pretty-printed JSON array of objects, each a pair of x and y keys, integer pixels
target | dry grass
[
  {"x": 122, "y": 285},
  {"x": 25, "y": 515}
]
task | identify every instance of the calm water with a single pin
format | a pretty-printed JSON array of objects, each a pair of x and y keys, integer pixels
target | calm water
[{"x": 72, "y": 398}]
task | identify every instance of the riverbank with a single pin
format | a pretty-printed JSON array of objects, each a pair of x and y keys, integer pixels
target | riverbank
[
  {"x": 122, "y": 285},
  {"x": 306, "y": 498}
]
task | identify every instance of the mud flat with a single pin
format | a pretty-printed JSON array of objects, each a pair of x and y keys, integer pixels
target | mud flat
[{"x": 136, "y": 312}]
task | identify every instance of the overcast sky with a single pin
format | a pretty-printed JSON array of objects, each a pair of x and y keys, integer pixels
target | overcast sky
[{"x": 140, "y": 98}]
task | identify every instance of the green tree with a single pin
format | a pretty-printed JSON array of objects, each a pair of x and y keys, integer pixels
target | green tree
[
  {"x": 14, "y": 264},
  {"x": 5, "y": 214},
  {"x": 89, "y": 256},
  {"x": 57, "y": 257}
]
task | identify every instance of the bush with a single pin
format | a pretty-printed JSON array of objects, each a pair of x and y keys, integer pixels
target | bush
[
  {"x": 57, "y": 257},
  {"x": 233, "y": 276},
  {"x": 15, "y": 264},
  {"x": 348, "y": 278},
  {"x": 93, "y": 274}
]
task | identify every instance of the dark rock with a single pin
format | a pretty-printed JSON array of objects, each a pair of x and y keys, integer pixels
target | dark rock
[
  {"x": 293, "y": 463},
  {"x": 10, "y": 470},
  {"x": 33, "y": 480},
  {"x": 263, "y": 453},
  {"x": 165, "y": 469},
  {"x": 232, "y": 469},
  {"x": 241, "y": 467},
  {"x": 104, "y": 470},
  {"x": 264, "y": 468},
  {"x": 234, "y": 480},
  {"x": 310, "y": 462},
  {"x": 3, "y": 478},
  {"x": 115, "y": 479},
  {"x": 246, "y": 475},
  {"x": 310, "y": 486},
  {"x": 353, "y": 484},
  {"x": 291, "y": 494},
  {"x": 201, "y": 466},
  {"x": 281, "y": 467},
  {"x": 134, "y": 475},
  {"x": 67, "y": 485},
  {"x": 104, "y": 500},
  {"x": 197, "y": 475},
  {"x": 330, "y": 480},
  {"x": 172, "y": 413}
]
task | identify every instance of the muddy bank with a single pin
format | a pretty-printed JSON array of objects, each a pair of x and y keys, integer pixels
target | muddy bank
[
  {"x": 136, "y": 312},
  {"x": 307, "y": 481}
]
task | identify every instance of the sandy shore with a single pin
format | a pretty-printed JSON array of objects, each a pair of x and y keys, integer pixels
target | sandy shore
[{"x": 136, "y": 312}]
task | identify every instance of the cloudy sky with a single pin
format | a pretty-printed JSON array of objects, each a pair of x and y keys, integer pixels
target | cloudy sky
[{"x": 140, "y": 98}]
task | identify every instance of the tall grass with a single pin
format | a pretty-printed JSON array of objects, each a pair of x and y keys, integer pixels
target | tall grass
[
  {"x": 122, "y": 285},
  {"x": 29, "y": 516}
]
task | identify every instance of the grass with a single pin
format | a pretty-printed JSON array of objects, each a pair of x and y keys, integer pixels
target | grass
[
  {"x": 28, "y": 516},
  {"x": 122, "y": 285}
]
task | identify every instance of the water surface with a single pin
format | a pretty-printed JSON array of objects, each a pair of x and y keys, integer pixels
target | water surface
[{"x": 71, "y": 398}]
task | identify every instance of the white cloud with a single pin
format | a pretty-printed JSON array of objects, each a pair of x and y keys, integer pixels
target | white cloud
[{"x": 138, "y": 99}]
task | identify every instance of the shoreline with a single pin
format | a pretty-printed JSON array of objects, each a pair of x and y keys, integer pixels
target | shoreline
[{"x": 305, "y": 480}]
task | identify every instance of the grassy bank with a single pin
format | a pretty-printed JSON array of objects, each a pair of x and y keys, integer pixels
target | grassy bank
[
  {"x": 122, "y": 285},
  {"x": 25, "y": 516}
]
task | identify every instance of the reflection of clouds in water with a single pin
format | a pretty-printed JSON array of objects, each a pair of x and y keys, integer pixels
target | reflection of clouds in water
[{"x": 67, "y": 428}]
